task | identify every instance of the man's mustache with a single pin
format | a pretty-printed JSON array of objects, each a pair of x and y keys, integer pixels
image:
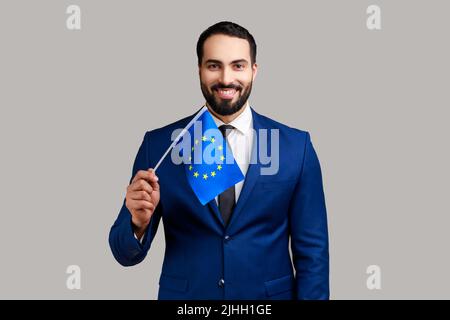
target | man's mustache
[{"x": 222, "y": 86}]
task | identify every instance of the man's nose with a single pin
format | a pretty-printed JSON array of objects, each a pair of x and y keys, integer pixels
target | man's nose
[{"x": 226, "y": 76}]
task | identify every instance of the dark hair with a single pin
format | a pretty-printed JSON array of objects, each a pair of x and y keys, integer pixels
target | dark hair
[{"x": 230, "y": 29}]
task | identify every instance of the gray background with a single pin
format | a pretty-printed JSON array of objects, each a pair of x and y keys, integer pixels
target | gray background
[{"x": 75, "y": 106}]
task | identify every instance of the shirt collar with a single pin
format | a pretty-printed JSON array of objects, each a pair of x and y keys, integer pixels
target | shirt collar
[{"x": 242, "y": 123}]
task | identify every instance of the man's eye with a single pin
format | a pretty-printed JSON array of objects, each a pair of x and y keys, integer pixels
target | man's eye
[
  {"x": 212, "y": 66},
  {"x": 239, "y": 66}
]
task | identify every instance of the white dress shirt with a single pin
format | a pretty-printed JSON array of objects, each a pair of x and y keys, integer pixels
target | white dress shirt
[{"x": 240, "y": 141}]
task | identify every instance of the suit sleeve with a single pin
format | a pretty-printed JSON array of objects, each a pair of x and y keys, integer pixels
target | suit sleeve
[
  {"x": 309, "y": 231},
  {"x": 128, "y": 250}
]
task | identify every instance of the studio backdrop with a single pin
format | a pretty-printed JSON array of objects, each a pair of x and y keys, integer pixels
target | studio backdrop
[{"x": 82, "y": 81}]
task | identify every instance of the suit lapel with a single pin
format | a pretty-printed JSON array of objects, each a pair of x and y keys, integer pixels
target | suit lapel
[
  {"x": 212, "y": 205},
  {"x": 253, "y": 172}
]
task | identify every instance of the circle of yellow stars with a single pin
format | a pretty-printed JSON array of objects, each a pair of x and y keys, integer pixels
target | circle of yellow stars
[{"x": 212, "y": 174}]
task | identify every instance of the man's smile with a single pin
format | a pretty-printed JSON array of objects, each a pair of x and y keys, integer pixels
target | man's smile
[{"x": 227, "y": 94}]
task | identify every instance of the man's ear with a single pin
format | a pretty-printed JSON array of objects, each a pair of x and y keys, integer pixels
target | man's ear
[{"x": 255, "y": 70}]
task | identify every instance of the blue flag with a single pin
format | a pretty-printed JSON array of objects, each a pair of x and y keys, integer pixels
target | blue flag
[{"x": 209, "y": 163}]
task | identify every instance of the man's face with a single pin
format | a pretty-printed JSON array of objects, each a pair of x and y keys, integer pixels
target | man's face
[{"x": 226, "y": 73}]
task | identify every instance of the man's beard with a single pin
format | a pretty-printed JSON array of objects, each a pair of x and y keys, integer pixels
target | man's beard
[{"x": 225, "y": 107}]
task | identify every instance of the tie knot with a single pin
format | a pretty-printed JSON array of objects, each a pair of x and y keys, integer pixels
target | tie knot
[{"x": 226, "y": 129}]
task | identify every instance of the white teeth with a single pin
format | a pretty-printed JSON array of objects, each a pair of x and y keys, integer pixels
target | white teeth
[{"x": 227, "y": 92}]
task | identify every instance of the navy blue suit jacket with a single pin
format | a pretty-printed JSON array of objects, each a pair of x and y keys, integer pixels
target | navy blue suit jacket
[{"x": 249, "y": 258}]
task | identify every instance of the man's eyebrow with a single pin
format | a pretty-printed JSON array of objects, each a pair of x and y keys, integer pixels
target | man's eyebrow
[
  {"x": 243, "y": 61},
  {"x": 220, "y": 62},
  {"x": 213, "y": 61}
]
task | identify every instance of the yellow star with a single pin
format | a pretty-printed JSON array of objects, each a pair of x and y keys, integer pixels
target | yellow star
[
  {"x": 190, "y": 168},
  {"x": 219, "y": 167},
  {"x": 205, "y": 176},
  {"x": 204, "y": 138},
  {"x": 195, "y": 174},
  {"x": 222, "y": 157},
  {"x": 192, "y": 148},
  {"x": 220, "y": 148},
  {"x": 196, "y": 141},
  {"x": 212, "y": 139},
  {"x": 213, "y": 173}
]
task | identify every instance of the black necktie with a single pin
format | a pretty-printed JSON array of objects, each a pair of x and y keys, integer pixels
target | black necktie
[{"x": 227, "y": 199}]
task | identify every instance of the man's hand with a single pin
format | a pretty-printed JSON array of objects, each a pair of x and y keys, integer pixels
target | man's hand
[{"x": 141, "y": 199}]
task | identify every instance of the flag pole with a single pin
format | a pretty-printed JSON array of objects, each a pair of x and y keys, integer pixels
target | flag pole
[{"x": 185, "y": 129}]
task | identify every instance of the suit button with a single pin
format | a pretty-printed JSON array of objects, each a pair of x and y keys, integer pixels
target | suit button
[
  {"x": 226, "y": 238},
  {"x": 221, "y": 283}
]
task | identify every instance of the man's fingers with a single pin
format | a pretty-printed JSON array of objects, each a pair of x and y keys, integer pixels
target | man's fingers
[
  {"x": 153, "y": 175},
  {"x": 143, "y": 211},
  {"x": 153, "y": 179},
  {"x": 140, "y": 204},
  {"x": 148, "y": 175},
  {"x": 139, "y": 175},
  {"x": 140, "y": 195},
  {"x": 154, "y": 186},
  {"x": 140, "y": 185},
  {"x": 144, "y": 180}
]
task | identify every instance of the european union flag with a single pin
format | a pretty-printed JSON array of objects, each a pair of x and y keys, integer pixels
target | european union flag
[{"x": 209, "y": 163}]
